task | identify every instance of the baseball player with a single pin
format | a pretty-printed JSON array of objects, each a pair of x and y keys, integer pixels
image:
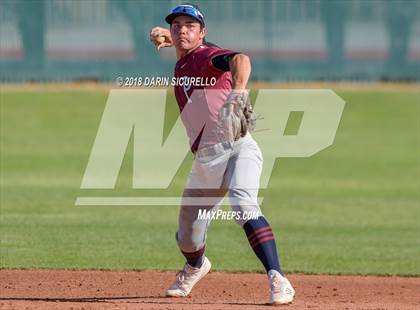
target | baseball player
[{"x": 218, "y": 118}]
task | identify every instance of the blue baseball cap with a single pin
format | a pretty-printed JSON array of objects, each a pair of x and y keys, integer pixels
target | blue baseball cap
[{"x": 186, "y": 10}]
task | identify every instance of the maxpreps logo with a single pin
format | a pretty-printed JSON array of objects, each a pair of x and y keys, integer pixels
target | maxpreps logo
[{"x": 140, "y": 113}]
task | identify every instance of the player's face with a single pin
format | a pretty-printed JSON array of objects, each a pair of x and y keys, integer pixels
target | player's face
[{"x": 186, "y": 33}]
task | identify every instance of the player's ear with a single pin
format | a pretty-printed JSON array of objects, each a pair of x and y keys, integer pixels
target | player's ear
[{"x": 203, "y": 32}]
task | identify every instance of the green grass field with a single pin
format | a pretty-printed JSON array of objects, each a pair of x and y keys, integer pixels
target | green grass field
[{"x": 351, "y": 209}]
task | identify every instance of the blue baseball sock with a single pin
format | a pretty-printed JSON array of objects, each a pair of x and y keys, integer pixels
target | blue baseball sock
[
  {"x": 194, "y": 259},
  {"x": 261, "y": 239}
]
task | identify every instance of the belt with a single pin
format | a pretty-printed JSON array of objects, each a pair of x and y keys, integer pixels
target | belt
[{"x": 214, "y": 149}]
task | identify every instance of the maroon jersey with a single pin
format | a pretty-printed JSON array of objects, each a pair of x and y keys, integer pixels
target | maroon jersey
[{"x": 201, "y": 100}]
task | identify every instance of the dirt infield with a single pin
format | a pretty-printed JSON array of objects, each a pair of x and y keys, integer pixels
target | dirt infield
[{"x": 47, "y": 289}]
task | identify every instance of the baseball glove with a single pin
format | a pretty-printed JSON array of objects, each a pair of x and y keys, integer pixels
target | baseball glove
[{"x": 236, "y": 117}]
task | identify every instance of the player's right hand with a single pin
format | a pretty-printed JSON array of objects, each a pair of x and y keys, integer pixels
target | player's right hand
[{"x": 161, "y": 37}]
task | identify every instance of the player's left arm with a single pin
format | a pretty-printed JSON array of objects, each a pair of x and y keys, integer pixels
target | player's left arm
[
  {"x": 236, "y": 116},
  {"x": 240, "y": 68}
]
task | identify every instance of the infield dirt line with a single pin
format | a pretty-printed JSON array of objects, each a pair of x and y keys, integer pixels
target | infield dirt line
[{"x": 66, "y": 289}]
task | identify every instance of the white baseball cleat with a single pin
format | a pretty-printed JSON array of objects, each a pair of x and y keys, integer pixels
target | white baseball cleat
[
  {"x": 187, "y": 278},
  {"x": 281, "y": 291}
]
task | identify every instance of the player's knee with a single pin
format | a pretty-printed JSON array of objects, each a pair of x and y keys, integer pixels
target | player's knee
[{"x": 239, "y": 195}]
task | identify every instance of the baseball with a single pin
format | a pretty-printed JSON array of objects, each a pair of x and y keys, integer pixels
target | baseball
[{"x": 160, "y": 39}]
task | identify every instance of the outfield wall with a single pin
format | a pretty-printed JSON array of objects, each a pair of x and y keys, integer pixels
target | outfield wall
[{"x": 288, "y": 40}]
